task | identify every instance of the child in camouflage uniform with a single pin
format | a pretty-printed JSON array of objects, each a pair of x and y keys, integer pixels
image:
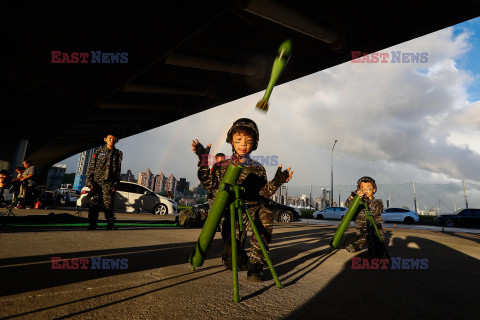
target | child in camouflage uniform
[
  {"x": 244, "y": 137},
  {"x": 103, "y": 177},
  {"x": 366, "y": 187}
]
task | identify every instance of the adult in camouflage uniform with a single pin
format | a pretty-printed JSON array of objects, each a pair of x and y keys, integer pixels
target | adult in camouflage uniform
[
  {"x": 366, "y": 187},
  {"x": 103, "y": 177},
  {"x": 192, "y": 218},
  {"x": 244, "y": 137}
]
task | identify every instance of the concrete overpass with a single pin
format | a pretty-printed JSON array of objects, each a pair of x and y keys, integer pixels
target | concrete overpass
[{"x": 184, "y": 57}]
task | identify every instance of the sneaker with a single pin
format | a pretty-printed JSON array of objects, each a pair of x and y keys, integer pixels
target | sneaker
[
  {"x": 255, "y": 273},
  {"x": 19, "y": 206}
]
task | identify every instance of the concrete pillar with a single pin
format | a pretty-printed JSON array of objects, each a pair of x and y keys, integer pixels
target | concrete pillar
[{"x": 18, "y": 157}]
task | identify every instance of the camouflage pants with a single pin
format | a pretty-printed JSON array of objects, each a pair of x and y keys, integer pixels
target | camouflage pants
[
  {"x": 359, "y": 240},
  {"x": 102, "y": 197},
  {"x": 263, "y": 219}
]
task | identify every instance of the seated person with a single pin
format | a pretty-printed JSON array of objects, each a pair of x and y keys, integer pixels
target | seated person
[{"x": 16, "y": 188}]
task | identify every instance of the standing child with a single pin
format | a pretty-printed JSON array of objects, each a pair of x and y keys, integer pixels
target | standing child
[
  {"x": 244, "y": 137},
  {"x": 366, "y": 187},
  {"x": 103, "y": 177}
]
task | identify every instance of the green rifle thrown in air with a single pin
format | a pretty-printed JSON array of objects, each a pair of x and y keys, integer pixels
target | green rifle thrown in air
[
  {"x": 279, "y": 64},
  {"x": 371, "y": 225},
  {"x": 229, "y": 194}
]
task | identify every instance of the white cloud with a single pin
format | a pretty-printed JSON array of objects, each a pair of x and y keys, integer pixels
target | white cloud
[{"x": 395, "y": 122}]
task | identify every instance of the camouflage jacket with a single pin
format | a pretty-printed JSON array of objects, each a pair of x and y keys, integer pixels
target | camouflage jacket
[
  {"x": 253, "y": 178},
  {"x": 376, "y": 209},
  {"x": 105, "y": 167}
]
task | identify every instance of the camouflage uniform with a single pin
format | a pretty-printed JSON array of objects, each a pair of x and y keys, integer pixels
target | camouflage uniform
[
  {"x": 103, "y": 175},
  {"x": 358, "y": 240},
  {"x": 254, "y": 179}
]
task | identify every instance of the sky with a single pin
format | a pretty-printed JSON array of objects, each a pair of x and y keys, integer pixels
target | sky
[{"x": 395, "y": 122}]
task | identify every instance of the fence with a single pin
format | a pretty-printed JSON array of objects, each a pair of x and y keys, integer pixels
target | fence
[{"x": 430, "y": 199}]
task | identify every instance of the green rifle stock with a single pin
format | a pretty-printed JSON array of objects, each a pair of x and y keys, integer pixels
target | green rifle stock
[
  {"x": 219, "y": 204},
  {"x": 283, "y": 55}
]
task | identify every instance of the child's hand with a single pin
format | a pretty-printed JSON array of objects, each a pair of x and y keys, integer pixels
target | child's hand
[
  {"x": 283, "y": 176},
  {"x": 199, "y": 149}
]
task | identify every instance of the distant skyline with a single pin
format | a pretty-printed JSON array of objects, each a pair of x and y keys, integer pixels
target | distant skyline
[{"x": 394, "y": 122}]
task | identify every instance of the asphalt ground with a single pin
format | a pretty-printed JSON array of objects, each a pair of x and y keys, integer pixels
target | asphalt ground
[{"x": 159, "y": 284}]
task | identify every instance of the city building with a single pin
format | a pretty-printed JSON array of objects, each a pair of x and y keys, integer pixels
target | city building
[
  {"x": 146, "y": 179},
  {"x": 200, "y": 190},
  {"x": 159, "y": 183},
  {"x": 82, "y": 168},
  {"x": 129, "y": 177},
  {"x": 183, "y": 186},
  {"x": 171, "y": 186},
  {"x": 280, "y": 195},
  {"x": 187, "y": 201},
  {"x": 304, "y": 200},
  {"x": 55, "y": 176}
]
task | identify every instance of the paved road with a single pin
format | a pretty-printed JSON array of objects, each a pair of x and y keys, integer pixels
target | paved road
[
  {"x": 395, "y": 226},
  {"x": 158, "y": 283}
]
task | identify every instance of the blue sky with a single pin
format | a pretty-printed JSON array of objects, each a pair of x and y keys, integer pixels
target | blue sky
[
  {"x": 471, "y": 61},
  {"x": 395, "y": 122}
]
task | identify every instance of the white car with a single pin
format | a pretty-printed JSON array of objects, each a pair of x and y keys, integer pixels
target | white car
[
  {"x": 132, "y": 197},
  {"x": 400, "y": 215},
  {"x": 336, "y": 213}
]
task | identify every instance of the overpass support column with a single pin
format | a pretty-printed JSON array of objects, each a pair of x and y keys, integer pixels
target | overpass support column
[{"x": 18, "y": 156}]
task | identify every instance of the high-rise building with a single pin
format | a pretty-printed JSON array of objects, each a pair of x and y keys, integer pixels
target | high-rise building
[
  {"x": 55, "y": 176},
  {"x": 82, "y": 168},
  {"x": 159, "y": 183},
  {"x": 146, "y": 179},
  {"x": 183, "y": 185},
  {"x": 171, "y": 186},
  {"x": 129, "y": 177}
]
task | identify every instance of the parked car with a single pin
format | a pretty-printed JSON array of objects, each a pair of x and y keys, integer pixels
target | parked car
[
  {"x": 132, "y": 197},
  {"x": 336, "y": 213},
  {"x": 463, "y": 217},
  {"x": 201, "y": 208},
  {"x": 400, "y": 215},
  {"x": 281, "y": 212}
]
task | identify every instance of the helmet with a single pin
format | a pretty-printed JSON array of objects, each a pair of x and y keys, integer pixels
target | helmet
[
  {"x": 366, "y": 180},
  {"x": 245, "y": 123}
]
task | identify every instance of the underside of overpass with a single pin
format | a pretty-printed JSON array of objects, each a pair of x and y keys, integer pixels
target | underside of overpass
[{"x": 184, "y": 57}]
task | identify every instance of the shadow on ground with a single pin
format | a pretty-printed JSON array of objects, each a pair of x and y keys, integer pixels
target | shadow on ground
[
  {"x": 69, "y": 222},
  {"x": 448, "y": 289}
]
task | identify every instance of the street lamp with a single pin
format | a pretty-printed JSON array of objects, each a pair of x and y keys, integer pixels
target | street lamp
[{"x": 331, "y": 190}]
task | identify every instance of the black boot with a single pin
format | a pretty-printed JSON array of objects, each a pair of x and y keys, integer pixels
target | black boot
[
  {"x": 255, "y": 272},
  {"x": 111, "y": 226}
]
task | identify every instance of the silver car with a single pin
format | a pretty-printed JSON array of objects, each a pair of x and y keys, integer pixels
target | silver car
[
  {"x": 132, "y": 197},
  {"x": 336, "y": 213},
  {"x": 400, "y": 215}
]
